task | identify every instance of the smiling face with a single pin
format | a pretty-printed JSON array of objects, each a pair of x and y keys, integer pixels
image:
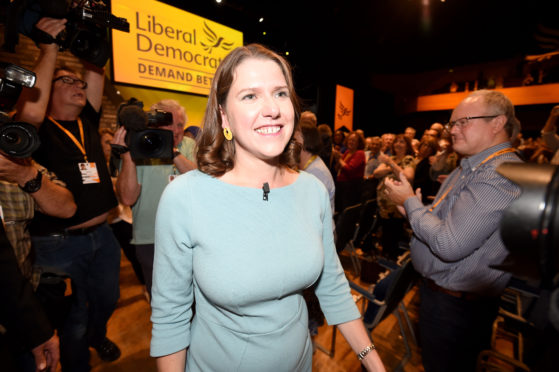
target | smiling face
[
  {"x": 477, "y": 134},
  {"x": 400, "y": 146},
  {"x": 64, "y": 94},
  {"x": 258, "y": 110},
  {"x": 352, "y": 142}
]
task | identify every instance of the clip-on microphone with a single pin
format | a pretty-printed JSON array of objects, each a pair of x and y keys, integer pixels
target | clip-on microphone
[{"x": 266, "y": 190}]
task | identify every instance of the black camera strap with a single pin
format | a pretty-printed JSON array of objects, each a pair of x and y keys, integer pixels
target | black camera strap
[{"x": 40, "y": 36}]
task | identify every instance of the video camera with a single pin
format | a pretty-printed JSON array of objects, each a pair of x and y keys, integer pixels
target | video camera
[
  {"x": 530, "y": 230},
  {"x": 17, "y": 139},
  {"x": 143, "y": 136},
  {"x": 86, "y": 30}
]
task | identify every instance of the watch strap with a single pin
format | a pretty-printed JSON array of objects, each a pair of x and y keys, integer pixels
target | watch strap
[{"x": 34, "y": 184}]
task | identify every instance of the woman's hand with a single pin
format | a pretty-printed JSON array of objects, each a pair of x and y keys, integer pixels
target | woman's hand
[{"x": 384, "y": 158}]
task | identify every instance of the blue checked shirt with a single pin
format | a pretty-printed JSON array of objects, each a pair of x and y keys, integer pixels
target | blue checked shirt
[{"x": 455, "y": 243}]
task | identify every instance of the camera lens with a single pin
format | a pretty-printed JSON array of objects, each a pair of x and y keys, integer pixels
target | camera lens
[
  {"x": 18, "y": 139},
  {"x": 151, "y": 143}
]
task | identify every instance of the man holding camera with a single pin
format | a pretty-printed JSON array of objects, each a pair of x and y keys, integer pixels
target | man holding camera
[
  {"x": 457, "y": 239},
  {"x": 83, "y": 246},
  {"x": 141, "y": 186},
  {"x": 25, "y": 186}
]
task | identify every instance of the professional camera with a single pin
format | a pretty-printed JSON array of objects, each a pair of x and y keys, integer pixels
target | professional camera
[
  {"x": 530, "y": 226},
  {"x": 17, "y": 139},
  {"x": 86, "y": 30},
  {"x": 530, "y": 231},
  {"x": 143, "y": 136}
]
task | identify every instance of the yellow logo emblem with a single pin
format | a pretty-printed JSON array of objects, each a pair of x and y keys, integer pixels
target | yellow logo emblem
[{"x": 214, "y": 41}]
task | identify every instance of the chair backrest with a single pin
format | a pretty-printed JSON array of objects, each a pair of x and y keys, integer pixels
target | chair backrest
[
  {"x": 367, "y": 219},
  {"x": 399, "y": 287},
  {"x": 401, "y": 279},
  {"x": 346, "y": 225}
]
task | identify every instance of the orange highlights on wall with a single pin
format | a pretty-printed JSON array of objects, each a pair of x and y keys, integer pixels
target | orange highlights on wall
[{"x": 527, "y": 95}]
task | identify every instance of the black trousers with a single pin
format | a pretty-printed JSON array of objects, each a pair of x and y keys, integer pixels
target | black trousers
[{"x": 454, "y": 330}]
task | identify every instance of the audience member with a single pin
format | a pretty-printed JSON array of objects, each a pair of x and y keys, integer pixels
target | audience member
[
  {"x": 439, "y": 128},
  {"x": 444, "y": 161},
  {"x": 351, "y": 166},
  {"x": 387, "y": 141},
  {"x": 430, "y": 133},
  {"x": 422, "y": 180},
  {"x": 192, "y": 131},
  {"x": 83, "y": 246},
  {"x": 361, "y": 134},
  {"x": 410, "y": 133},
  {"x": 238, "y": 274},
  {"x": 308, "y": 117},
  {"x": 457, "y": 239},
  {"x": 326, "y": 151},
  {"x": 140, "y": 184},
  {"x": 309, "y": 137},
  {"x": 338, "y": 141},
  {"x": 549, "y": 134},
  {"x": 391, "y": 221},
  {"x": 372, "y": 152}
]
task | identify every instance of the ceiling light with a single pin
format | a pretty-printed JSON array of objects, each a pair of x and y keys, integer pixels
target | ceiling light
[{"x": 261, "y": 19}]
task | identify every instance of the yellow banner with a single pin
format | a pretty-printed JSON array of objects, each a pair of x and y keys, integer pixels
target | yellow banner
[
  {"x": 168, "y": 48},
  {"x": 343, "y": 116}
]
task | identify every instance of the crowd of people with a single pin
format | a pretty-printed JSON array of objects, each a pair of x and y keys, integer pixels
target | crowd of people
[{"x": 241, "y": 220}]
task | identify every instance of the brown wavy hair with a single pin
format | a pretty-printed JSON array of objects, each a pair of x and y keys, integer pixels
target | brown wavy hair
[{"x": 215, "y": 155}]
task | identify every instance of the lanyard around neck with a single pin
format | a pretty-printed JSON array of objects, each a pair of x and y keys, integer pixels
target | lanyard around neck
[
  {"x": 310, "y": 161},
  {"x": 495, "y": 154},
  {"x": 80, "y": 146}
]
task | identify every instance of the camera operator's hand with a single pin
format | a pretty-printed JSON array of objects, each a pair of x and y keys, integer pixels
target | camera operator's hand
[
  {"x": 47, "y": 355},
  {"x": 119, "y": 137},
  {"x": 52, "y": 27},
  {"x": 16, "y": 170}
]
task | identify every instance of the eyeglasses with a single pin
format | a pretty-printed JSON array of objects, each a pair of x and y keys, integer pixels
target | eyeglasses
[
  {"x": 72, "y": 81},
  {"x": 462, "y": 122}
]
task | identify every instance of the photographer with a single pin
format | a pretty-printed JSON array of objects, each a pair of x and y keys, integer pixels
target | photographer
[
  {"x": 83, "y": 246},
  {"x": 29, "y": 342},
  {"x": 23, "y": 185},
  {"x": 141, "y": 186}
]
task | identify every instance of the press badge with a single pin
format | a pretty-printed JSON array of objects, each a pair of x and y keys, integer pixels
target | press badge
[{"x": 89, "y": 173}]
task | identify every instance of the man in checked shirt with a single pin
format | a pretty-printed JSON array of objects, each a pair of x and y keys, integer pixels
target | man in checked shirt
[{"x": 457, "y": 238}]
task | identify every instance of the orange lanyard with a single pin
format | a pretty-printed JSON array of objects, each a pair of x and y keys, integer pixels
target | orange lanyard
[
  {"x": 80, "y": 146},
  {"x": 500, "y": 152},
  {"x": 309, "y": 161}
]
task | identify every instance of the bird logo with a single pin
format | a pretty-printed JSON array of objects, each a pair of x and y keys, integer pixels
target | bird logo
[
  {"x": 214, "y": 41},
  {"x": 343, "y": 111}
]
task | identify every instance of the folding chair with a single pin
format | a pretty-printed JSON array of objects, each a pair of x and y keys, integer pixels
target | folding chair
[
  {"x": 346, "y": 230},
  {"x": 401, "y": 280}
]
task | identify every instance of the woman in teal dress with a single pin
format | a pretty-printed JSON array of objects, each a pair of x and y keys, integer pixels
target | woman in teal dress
[{"x": 240, "y": 238}]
